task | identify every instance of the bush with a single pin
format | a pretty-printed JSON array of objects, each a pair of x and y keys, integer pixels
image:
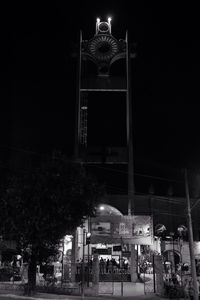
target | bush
[{"x": 7, "y": 273}]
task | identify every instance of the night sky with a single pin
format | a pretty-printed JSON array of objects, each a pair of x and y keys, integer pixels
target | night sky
[{"x": 38, "y": 76}]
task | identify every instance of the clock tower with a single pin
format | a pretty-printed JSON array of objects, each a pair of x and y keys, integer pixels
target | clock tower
[{"x": 104, "y": 104}]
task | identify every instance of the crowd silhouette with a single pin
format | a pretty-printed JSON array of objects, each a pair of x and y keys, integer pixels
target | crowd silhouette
[{"x": 106, "y": 266}]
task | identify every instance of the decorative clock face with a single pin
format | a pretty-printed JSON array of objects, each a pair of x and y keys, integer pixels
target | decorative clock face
[
  {"x": 104, "y": 27},
  {"x": 103, "y": 47}
]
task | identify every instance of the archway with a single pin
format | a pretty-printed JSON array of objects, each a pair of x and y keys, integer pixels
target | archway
[{"x": 172, "y": 259}]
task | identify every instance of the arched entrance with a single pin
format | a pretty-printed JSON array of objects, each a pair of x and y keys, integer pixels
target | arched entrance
[{"x": 172, "y": 259}]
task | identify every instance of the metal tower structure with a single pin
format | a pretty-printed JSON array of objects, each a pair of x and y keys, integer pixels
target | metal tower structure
[{"x": 97, "y": 56}]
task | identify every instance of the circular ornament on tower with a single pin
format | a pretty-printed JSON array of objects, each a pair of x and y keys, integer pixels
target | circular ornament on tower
[{"x": 103, "y": 47}]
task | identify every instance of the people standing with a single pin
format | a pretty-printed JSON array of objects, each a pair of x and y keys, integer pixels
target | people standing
[
  {"x": 191, "y": 290},
  {"x": 107, "y": 265},
  {"x": 102, "y": 265},
  {"x": 186, "y": 288},
  {"x": 198, "y": 287}
]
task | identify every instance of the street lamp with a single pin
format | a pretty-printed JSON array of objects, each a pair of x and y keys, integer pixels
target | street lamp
[
  {"x": 88, "y": 236},
  {"x": 160, "y": 230},
  {"x": 83, "y": 266}
]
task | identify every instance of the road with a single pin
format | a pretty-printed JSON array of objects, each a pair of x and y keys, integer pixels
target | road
[
  {"x": 11, "y": 295},
  {"x": 107, "y": 291}
]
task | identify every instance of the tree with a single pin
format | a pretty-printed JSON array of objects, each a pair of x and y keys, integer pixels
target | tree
[{"x": 39, "y": 207}]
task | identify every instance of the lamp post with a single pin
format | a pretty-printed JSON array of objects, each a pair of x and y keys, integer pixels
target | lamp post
[
  {"x": 190, "y": 236},
  {"x": 63, "y": 249},
  {"x": 160, "y": 230},
  {"x": 172, "y": 236},
  {"x": 88, "y": 235},
  {"x": 83, "y": 265},
  {"x": 182, "y": 229}
]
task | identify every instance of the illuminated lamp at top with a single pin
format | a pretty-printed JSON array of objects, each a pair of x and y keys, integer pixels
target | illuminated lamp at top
[
  {"x": 97, "y": 24},
  {"x": 103, "y": 27},
  {"x": 109, "y": 20}
]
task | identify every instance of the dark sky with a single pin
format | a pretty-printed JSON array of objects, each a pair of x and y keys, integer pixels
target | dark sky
[{"x": 38, "y": 75}]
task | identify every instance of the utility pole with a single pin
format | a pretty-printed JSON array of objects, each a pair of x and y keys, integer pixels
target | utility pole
[
  {"x": 129, "y": 132},
  {"x": 121, "y": 266},
  {"x": 63, "y": 249},
  {"x": 190, "y": 236},
  {"x": 83, "y": 268}
]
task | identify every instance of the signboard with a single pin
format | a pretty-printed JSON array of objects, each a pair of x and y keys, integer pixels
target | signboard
[
  {"x": 122, "y": 229},
  {"x": 126, "y": 253},
  {"x": 102, "y": 251},
  {"x": 101, "y": 228},
  {"x": 117, "y": 248}
]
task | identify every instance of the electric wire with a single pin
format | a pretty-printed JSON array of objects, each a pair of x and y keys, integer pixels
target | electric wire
[{"x": 109, "y": 186}]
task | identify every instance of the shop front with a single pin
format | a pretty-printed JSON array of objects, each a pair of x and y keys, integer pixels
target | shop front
[{"x": 115, "y": 239}]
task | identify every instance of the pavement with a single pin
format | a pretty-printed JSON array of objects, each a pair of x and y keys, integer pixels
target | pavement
[
  {"x": 44, "y": 296},
  {"x": 107, "y": 291},
  {"x": 17, "y": 294}
]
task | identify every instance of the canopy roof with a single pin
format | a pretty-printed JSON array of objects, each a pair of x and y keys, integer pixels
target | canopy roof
[{"x": 107, "y": 210}]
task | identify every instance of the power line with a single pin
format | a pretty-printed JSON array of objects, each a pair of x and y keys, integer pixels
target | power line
[
  {"x": 96, "y": 166},
  {"x": 138, "y": 174},
  {"x": 168, "y": 214}
]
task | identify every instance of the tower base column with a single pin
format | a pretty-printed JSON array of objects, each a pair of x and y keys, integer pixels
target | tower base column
[{"x": 133, "y": 266}]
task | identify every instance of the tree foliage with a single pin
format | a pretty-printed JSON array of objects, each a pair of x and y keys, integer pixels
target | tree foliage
[
  {"x": 45, "y": 204},
  {"x": 39, "y": 207}
]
